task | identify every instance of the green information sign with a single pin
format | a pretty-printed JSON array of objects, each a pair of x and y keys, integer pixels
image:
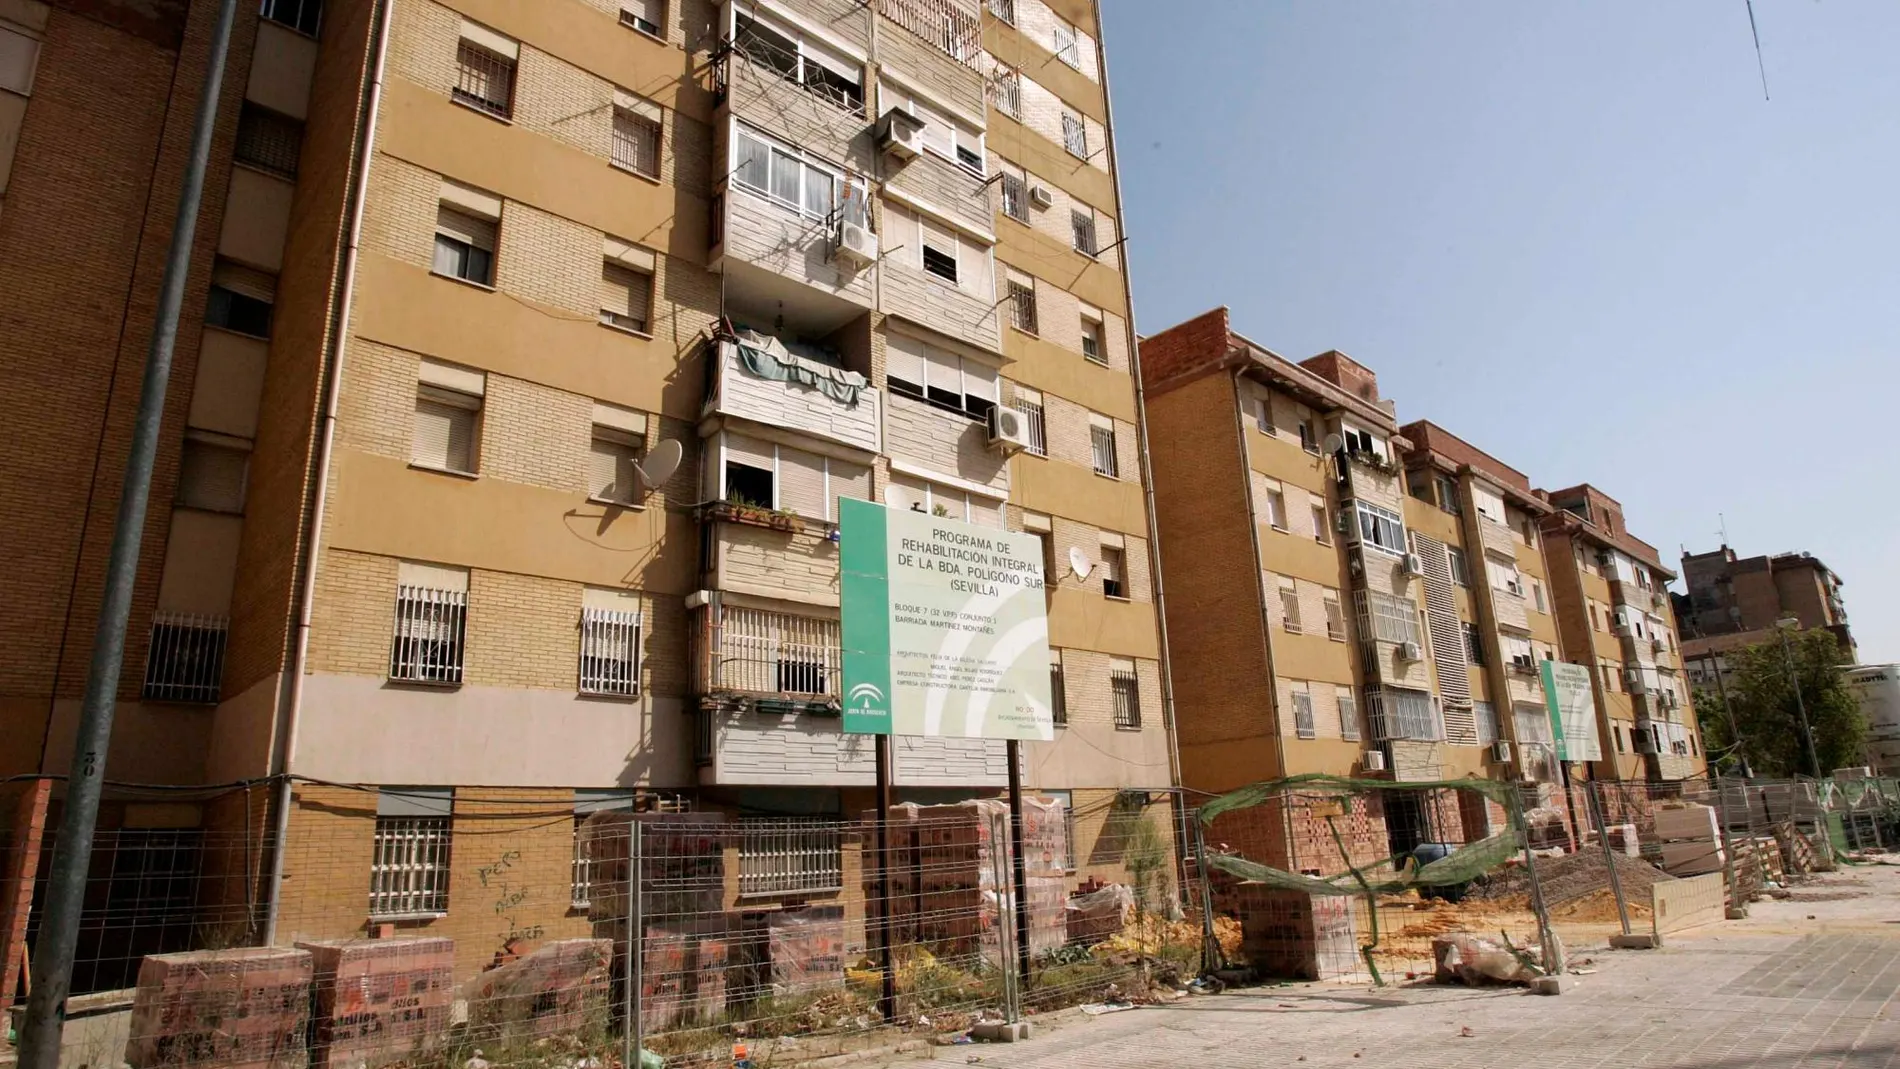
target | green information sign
[
  {"x": 1573, "y": 713},
  {"x": 945, "y": 627}
]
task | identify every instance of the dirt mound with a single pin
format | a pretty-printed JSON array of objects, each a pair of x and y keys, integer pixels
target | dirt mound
[{"x": 1569, "y": 878}]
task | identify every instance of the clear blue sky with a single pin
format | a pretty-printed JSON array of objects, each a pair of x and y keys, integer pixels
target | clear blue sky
[{"x": 1571, "y": 232}]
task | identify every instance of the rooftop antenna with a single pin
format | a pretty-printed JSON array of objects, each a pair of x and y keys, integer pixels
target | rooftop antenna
[
  {"x": 1723, "y": 530},
  {"x": 1759, "y": 65}
]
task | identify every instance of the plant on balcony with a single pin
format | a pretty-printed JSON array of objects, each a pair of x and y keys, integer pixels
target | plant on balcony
[
  {"x": 1367, "y": 459},
  {"x": 739, "y": 509}
]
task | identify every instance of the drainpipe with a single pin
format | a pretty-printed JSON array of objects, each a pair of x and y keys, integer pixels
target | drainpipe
[
  {"x": 320, "y": 497},
  {"x": 1141, "y": 443}
]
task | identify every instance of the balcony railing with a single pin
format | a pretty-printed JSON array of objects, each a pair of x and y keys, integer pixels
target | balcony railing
[
  {"x": 1395, "y": 713},
  {"x": 952, "y": 28},
  {"x": 756, "y": 651}
]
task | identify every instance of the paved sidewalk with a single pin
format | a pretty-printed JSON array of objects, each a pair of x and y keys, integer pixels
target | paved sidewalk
[{"x": 1806, "y": 982}]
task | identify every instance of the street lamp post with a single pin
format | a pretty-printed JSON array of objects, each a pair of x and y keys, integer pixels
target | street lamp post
[{"x": 1783, "y": 626}]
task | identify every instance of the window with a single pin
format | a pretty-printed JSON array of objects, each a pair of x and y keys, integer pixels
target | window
[
  {"x": 586, "y": 804},
  {"x": 300, "y": 15},
  {"x": 1616, "y": 730},
  {"x": 1460, "y": 570},
  {"x": 785, "y": 175},
  {"x": 1537, "y": 595},
  {"x": 1447, "y": 494},
  {"x": 619, "y": 437},
  {"x": 1082, "y": 231},
  {"x": 1125, "y": 689},
  {"x": 940, "y": 377},
  {"x": 1093, "y": 347},
  {"x": 1348, "y": 714},
  {"x": 1380, "y": 529},
  {"x": 1528, "y": 531},
  {"x": 1486, "y": 716},
  {"x": 1303, "y": 712},
  {"x": 780, "y": 856},
  {"x": 1400, "y": 713},
  {"x": 1307, "y": 441},
  {"x": 919, "y": 495},
  {"x": 1030, "y": 405},
  {"x": 749, "y": 484},
  {"x": 1022, "y": 302},
  {"x": 1335, "y": 616},
  {"x": 610, "y": 645},
  {"x": 1362, "y": 441},
  {"x": 1489, "y": 503},
  {"x": 1004, "y": 10},
  {"x": 1075, "y": 136},
  {"x": 1015, "y": 196},
  {"x": 464, "y": 246},
  {"x": 1393, "y": 619},
  {"x": 1276, "y": 509},
  {"x": 211, "y": 476},
  {"x": 1102, "y": 446},
  {"x": 1290, "y": 607},
  {"x": 431, "y": 624},
  {"x": 447, "y": 422},
  {"x": 940, "y": 261},
  {"x": 409, "y": 858},
  {"x": 636, "y": 143},
  {"x": 647, "y": 16},
  {"x": 1114, "y": 573},
  {"x": 240, "y": 299},
  {"x": 1474, "y": 642},
  {"x": 831, "y": 76},
  {"x": 1064, "y": 44},
  {"x": 942, "y": 135},
  {"x": 626, "y": 298},
  {"x": 1503, "y": 575},
  {"x": 1058, "y": 691},
  {"x": 1009, "y": 92},
  {"x": 485, "y": 73},
  {"x": 268, "y": 141},
  {"x": 185, "y": 661},
  {"x": 1263, "y": 415},
  {"x": 1320, "y": 525}
]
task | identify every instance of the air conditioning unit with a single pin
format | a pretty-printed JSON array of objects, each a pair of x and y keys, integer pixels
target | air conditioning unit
[
  {"x": 1041, "y": 197},
  {"x": 1656, "y": 643},
  {"x": 1409, "y": 651},
  {"x": 1643, "y": 741},
  {"x": 1375, "y": 760},
  {"x": 900, "y": 134},
  {"x": 1604, "y": 559},
  {"x": 1414, "y": 565},
  {"x": 1501, "y": 752},
  {"x": 1008, "y": 428},
  {"x": 857, "y": 244}
]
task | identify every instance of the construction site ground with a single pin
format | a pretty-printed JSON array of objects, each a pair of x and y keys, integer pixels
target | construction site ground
[{"x": 1808, "y": 980}]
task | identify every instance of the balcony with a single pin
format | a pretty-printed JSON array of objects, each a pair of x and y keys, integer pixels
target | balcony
[
  {"x": 796, "y": 387},
  {"x": 1508, "y": 605},
  {"x": 1497, "y": 538}
]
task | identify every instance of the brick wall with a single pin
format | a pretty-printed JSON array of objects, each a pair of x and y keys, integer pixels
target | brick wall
[
  {"x": 536, "y": 435},
  {"x": 523, "y": 631},
  {"x": 355, "y": 613},
  {"x": 1191, "y": 347}
]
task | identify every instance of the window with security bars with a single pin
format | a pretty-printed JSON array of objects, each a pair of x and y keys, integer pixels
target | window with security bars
[
  {"x": 304, "y": 16},
  {"x": 1389, "y": 619},
  {"x": 1075, "y": 136},
  {"x": 185, "y": 662},
  {"x": 610, "y": 652},
  {"x": 1004, "y": 10},
  {"x": 1486, "y": 716},
  {"x": 1015, "y": 197},
  {"x": 581, "y": 876},
  {"x": 1303, "y": 715},
  {"x": 1335, "y": 619},
  {"x": 1398, "y": 713},
  {"x": 1058, "y": 691},
  {"x": 268, "y": 141},
  {"x": 1102, "y": 451},
  {"x": 1125, "y": 689},
  {"x": 779, "y": 856},
  {"x": 1009, "y": 92},
  {"x": 1082, "y": 232},
  {"x": 1348, "y": 716},
  {"x": 409, "y": 867},
  {"x": 1034, "y": 425},
  {"x": 484, "y": 80},
  {"x": 1290, "y": 610},
  {"x": 431, "y": 627},
  {"x": 1065, "y": 44},
  {"x": 764, "y": 652},
  {"x": 636, "y": 143},
  {"x": 1022, "y": 306}
]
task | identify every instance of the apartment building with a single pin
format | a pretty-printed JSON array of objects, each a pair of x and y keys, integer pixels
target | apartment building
[
  {"x": 1738, "y": 601},
  {"x": 1316, "y": 626},
  {"x": 1614, "y": 615},
  {"x": 528, "y": 350}
]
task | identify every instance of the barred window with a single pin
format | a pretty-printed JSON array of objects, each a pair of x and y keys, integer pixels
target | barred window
[
  {"x": 1335, "y": 618},
  {"x": 268, "y": 141},
  {"x": 610, "y": 652},
  {"x": 1033, "y": 422},
  {"x": 431, "y": 625},
  {"x": 1009, "y": 92},
  {"x": 1004, "y": 10},
  {"x": 1486, "y": 716},
  {"x": 1058, "y": 690},
  {"x": 1015, "y": 197},
  {"x": 409, "y": 868},
  {"x": 636, "y": 145},
  {"x": 1075, "y": 136},
  {"x": 780, "y": 856},
  {"x": 1102, "y": 450},
  {"x": 1290, "y": 609},
  {"x": 582, "y": 872},
  {"x": 484, "y": 80},
  {"x": 1125, "y": 688},
  {"x": 1022, "y": 305},
  {"x": 1398, "y": 713},
  {"x": 1082, "y": 231},
  {"x": 1303, "y": 715},
  {"x": 1348, "y": 715},
  {"x": 1392, "y": 619},
  {"x": 1066, "y": 47},
  {"x": 185, "y": 662}
]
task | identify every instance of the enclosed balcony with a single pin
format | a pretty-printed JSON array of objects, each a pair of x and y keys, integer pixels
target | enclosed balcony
[{"x": 803, "y": 388}]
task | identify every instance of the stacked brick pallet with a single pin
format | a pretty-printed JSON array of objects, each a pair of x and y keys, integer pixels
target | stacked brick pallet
[
  {"x": 234, "y": 1009},
  {"x": 687, "y": 937},
  {"x": 379, "y": 999},
  {"x": 560, "y": 989}
]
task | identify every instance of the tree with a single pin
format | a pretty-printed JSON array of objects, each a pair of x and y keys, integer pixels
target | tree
[{"x": 1767, "y": 717}]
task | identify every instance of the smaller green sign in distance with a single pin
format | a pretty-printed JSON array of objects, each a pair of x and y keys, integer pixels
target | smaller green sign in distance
[{"x": 945, "y": 627}]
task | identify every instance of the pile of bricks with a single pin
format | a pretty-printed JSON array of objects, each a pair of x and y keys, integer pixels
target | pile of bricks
[
  {"x": 683, "y": 865},
  {"x": 247, "y": 1008},
  {"x": 379, "y": 999},
  {"x": 799, "y": 950},
  {"x": 1294, "y": 935},
  {"x": 1797, "y": 850},
  {"x": 559, "y": 989},
  {"x": 687, "y": 969},
  {"x": 1691, "y": 842}
]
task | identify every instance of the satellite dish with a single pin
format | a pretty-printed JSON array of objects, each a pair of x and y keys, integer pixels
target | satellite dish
[
  {"x": 1079, "y": 562},
  {"x": 660, "y": 464},
  {"x": 1332, "y": 444}
]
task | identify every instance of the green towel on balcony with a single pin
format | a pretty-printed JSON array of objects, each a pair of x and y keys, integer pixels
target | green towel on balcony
[{"x": 834, "y": 382}]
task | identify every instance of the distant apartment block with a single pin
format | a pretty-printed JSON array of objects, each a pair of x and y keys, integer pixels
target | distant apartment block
[{"x": 1737, "y": 601}]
